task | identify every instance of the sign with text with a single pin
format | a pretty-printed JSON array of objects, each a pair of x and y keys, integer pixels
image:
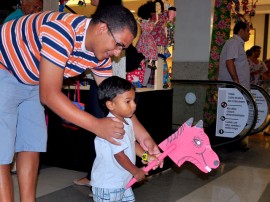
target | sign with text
[
  {"x": 261, "y": 105},
  {"x": 232, "y": 112}
]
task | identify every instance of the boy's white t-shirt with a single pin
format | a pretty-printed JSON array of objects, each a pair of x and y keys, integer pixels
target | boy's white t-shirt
[{"x": 106, "y": 171}]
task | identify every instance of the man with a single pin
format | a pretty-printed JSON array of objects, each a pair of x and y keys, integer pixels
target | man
[
  {"x": 26, "y": 7},
  {"x": 233, "y": 65},
  {"x": 36, "y": 52}
]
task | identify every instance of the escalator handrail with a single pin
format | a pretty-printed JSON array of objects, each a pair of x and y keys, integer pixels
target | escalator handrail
[
  {"x": 236, "y": 85},
  {"x": 267, "y": 97}
]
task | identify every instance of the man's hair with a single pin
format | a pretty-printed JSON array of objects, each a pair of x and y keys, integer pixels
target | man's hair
[
  {"x": 254, "y": 48},
  {"x": 238, "y": 26},
  {"x": 117, "y": 17},
  {"x": 111, "y": 87}
]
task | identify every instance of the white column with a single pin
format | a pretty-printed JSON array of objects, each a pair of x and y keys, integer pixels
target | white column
[{"x": 52, "y": 5}]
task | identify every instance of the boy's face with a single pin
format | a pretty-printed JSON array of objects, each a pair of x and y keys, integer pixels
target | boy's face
[{"x": 123, "y": 105}]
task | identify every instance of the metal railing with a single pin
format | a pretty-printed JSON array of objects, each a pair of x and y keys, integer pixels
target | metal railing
[
  {"x": 182, "y": 111},
  {"x": 265, "y": 120}
]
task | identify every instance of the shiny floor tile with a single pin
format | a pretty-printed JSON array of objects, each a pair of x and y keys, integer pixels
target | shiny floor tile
[
  {"x": 240, "y": 184},
  {"x": 51, "y": 180},
  {"x": 241, "y": 177}
]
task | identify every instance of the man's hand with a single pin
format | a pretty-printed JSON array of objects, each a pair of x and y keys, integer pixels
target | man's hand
[
  {"x": 149, "y": 145},
  {"x": 110, "y": 128}
]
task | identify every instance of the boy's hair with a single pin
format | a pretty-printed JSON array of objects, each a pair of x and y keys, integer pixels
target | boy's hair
[
  {"x": 238, "y": 26},
  {"x": 111, "y": 87},
  {"x": 117, "y": 18}
]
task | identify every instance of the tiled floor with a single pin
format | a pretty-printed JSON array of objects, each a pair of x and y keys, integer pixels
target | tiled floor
[{"x": 241, "y": 177}]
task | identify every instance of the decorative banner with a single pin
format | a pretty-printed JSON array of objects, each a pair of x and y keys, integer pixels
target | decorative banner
[
  {"x": 220, "y": 34},
  {"x": 261, "y": 105},
  {"x": 232, "y": 112}
]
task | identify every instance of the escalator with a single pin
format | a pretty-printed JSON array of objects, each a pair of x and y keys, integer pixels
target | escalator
[{"x": 206, "y": 95}]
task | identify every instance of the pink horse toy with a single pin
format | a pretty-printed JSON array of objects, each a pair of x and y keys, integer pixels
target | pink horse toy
[{"x": 187, "y": 144}]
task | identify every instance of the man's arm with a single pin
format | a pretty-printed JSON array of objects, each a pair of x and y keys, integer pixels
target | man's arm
[
  {"x": 232, "y": 71},
  {"x": 51, "y": 80}
]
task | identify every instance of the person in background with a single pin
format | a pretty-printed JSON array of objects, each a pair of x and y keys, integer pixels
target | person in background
[
  {"x": 248, "y": 53},
  {"x": 25, "y": 7},
  {"x": 233, "y": 65},
  {"x": 114, "y": 165},
  {"x": 257, "y": 67},
  {"x": 33, "y": 77}
]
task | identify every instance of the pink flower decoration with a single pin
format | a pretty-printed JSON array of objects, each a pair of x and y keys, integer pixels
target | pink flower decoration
[
  {"x": 215, "y": 55},
  {"x": 222, "y": 24}
]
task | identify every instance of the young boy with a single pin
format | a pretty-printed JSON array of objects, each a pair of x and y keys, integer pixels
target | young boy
[{"x": 114, "y": 165}]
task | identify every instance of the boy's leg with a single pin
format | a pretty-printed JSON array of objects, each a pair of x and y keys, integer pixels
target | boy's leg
[
  {"x": 27, "y": 171},
  {"x": 6, "y": 189}
]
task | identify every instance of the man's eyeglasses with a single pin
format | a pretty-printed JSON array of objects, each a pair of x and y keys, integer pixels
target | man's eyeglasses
[{"x": 119, "y": 46}]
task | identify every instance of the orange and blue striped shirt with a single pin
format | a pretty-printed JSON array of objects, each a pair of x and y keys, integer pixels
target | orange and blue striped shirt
[{"x": 58, "y": 37}]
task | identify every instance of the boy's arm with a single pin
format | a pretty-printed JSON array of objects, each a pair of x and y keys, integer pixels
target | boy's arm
[{"x": 125, "y": 162}]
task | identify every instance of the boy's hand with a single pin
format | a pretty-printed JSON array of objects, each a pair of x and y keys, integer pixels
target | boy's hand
[
  {"x": 139, "y": 175},
  {"x": 151, "y": 158}
]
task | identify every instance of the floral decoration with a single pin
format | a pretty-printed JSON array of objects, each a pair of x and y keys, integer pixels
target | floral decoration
[{"x": 220, "y": 33}]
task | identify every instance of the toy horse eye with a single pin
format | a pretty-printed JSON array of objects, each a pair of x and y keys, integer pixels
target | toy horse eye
[{"x": 197, "y": 141}]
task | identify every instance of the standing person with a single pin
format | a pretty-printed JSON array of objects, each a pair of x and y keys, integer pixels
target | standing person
[
  {"x": 233, "y": 65},
  {"x": 257, "y": 67},
  {"x": 56, "y": 46},
  {"x": 114, "y": 165},
  {"x": 25, "y": 7}
]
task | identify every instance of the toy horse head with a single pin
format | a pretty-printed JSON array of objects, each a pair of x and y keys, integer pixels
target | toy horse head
[{"x": 193, "y": 145}]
